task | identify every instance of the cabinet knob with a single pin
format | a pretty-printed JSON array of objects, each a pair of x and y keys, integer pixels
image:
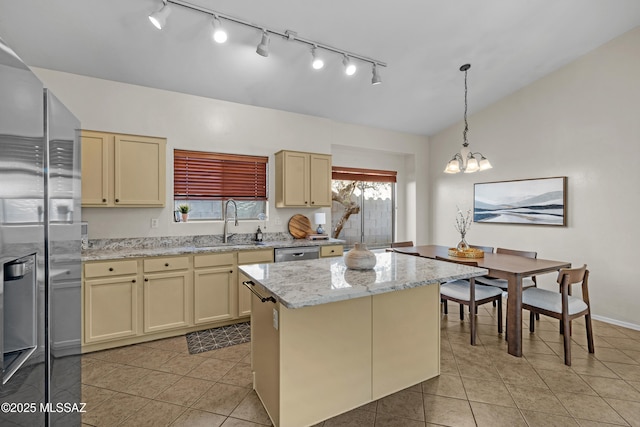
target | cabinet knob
[
  {"x": 332, "y": 251},
  {"x": 110, "y": 268},
  {"x": 117, "y": 200},
  {"x": 146, "y": 279},
  {"x": 104, "y": 200},
  {"x": 230, "y": 271},
  {"x": 305, "y": 202},
  {"x": 313, "y": 203},
  {"x": 166, "y": 264},
  {"x": 133, "y": 281}
]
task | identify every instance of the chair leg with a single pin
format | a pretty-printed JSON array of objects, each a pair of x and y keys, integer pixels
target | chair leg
[
  {"x": 446, "y": 306},
  {"x": 567, "y": 340},
  {"x": 499, "y": 315},
  {"x": 587, "y": 320},
  {"x": 473, "y": 322},
  {"x": 461, "y": 312},
  {"x": 532, "y": 322}
]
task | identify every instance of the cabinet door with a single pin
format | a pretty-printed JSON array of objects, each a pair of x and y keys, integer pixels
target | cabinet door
[
  {"x": 95, "y": 168},
  {"x": 167, "y": 299},
  {"x": 214, "y": 294},
  {"x": 296, "y": 179},
  {"x": 110, "y": 308},
  {"x": 244, "y": 296},
  {"x": 320, "y": 181},
  {"x": 139, "y": 170}
]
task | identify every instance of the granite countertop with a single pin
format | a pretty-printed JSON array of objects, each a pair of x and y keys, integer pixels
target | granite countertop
[
  {"x": 106, "y": 253},
  {"x": 297, "y": 284}
]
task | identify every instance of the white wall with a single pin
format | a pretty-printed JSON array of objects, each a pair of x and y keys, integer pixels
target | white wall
[
  {"x": 583, "y": 122},
  {"x": 196, "y": 123}
]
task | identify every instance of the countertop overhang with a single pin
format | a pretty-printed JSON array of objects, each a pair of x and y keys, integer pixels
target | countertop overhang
[{"x": 297, "y": 284}]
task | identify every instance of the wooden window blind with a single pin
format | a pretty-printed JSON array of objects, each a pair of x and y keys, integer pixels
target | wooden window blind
[
  {"x": 199, "y": 175},
  {"x": 367, "y": 175}
]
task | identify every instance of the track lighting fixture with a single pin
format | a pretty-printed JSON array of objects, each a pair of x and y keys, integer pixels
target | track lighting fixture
[
  {"x": 375, "y": 79},
  {"x": 263, "y": 47},
  {"x": 317, "y": 62},
  {"x": 349, "y": 67},
  {"x": 219, "y": 34},
  {"x": 159, "y": 17}
]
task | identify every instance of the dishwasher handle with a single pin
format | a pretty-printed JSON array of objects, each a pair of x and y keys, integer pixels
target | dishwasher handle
[{"x": 249, "y": 284}]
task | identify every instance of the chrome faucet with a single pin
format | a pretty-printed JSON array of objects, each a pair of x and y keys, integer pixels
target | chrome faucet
[{"x": 225, "y": 235}]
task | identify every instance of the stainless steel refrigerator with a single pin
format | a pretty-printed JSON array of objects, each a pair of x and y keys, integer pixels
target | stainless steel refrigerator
[{"x": 40, "y": 287}]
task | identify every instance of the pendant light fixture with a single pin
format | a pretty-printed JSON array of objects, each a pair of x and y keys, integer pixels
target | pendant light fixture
[{"x": 466, "y": 161}]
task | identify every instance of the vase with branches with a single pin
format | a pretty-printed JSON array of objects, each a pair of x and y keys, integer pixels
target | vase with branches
[{"x": 463, "y": 223}]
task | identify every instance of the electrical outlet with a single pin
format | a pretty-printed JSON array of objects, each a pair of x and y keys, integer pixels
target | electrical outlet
[
  {"x": 277, "y": 221},
  {"x": 275, "y": 319},
  {"x": 154, "y": 222}
]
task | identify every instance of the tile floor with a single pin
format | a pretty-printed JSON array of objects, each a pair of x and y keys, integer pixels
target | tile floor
[{"x": 161, "y": 384}]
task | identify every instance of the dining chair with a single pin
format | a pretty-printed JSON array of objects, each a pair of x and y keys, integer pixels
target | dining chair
[
  {"x": 402, "y": 244},
  {"x": 486, "y": 249},
  {"x": 562, "y": 305},
  {"x": 503, "y": 284},
  {"x": 469, "y": 293}
]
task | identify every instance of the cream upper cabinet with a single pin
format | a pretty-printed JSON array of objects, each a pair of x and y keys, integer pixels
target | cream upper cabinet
[
  {"x": 303, "y": 179},
  {"x": 122, "y": 170}
]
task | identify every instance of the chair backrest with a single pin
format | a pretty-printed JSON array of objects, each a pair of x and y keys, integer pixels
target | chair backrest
[
  {"x": 455, "y": 261},
  {"x": 486, "y": 249},
  {"x": 573, "y": 276},
  {"x": 402, "y": 244},
  {"x": 527, "y": 254}
]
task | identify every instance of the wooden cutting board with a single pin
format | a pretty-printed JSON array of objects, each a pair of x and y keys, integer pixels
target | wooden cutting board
[{"x": 300, "y": 226}]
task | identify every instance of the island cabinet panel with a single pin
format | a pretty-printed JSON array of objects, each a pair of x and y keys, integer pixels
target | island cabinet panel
[{"x": 400, "y": 321}]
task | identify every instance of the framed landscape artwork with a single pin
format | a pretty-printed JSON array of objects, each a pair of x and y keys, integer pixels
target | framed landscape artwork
[{"x": 541, "y": 201}]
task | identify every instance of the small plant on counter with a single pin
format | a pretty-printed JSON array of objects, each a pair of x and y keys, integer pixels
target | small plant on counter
[{"x": 184, "y": 208}]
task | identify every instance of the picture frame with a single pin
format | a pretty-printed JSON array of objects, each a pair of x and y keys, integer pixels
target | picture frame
[{"x": 538, "y": 201}]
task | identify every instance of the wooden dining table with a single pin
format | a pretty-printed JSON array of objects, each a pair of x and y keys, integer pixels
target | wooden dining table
[{"x": 513, "y": 268}]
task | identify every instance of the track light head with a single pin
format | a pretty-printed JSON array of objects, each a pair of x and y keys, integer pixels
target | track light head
[
  {"x": 349, "y": 67},
  {"x": 219, "y": 34},
  {"x": 317, "y": 62},
  {"x": 159, "y": 17},
  {"x": 375, "y": 79},
  {"x": 263, "y": 47}
]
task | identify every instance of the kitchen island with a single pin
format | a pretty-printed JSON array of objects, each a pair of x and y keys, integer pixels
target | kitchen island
[{"x": 326, "y": 339}]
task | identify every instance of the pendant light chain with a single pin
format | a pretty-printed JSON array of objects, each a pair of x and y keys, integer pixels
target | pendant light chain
[{"x": 466, "y": 125}]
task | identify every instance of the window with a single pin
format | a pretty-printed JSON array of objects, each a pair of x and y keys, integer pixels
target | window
[
  {"x": 363, "y": 206},
  {"x": 204, "y": 181}
]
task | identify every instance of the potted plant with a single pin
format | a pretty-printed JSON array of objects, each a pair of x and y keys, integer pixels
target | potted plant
[{"x": 184, "y": 210}]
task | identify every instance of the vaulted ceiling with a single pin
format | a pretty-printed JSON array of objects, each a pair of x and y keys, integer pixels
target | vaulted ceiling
[{"x": 509, "y": 43}]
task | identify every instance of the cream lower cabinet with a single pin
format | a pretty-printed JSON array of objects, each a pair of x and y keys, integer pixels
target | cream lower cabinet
[
  {"x": 111, "y": 300},
  {"x": 214, "y": 279},
  {"x": 167, "y": 293}
]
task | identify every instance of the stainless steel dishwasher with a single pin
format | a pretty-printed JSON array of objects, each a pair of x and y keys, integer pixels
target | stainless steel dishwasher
[{"x": 298, "y": 253}]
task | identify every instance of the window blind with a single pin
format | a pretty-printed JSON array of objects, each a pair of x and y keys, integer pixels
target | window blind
[
  {"x": 199, "y": 175},
  {"x": 357, "y": 174}
]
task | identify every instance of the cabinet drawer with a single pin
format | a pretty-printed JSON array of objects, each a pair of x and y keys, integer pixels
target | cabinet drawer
[
  {"x": 331, "y": 250},
  {"x": 214, "y": 260},
  {"x": 110, "y": 268},
  {"x": 166, "y": 264},
  {"x": 255, "y": 257}
]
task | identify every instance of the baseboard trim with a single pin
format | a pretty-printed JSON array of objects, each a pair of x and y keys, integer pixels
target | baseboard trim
[{"x": 616, "y": 322}]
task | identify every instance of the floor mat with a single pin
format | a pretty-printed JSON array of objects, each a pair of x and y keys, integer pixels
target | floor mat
[{"x": 211, "y": 339}]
